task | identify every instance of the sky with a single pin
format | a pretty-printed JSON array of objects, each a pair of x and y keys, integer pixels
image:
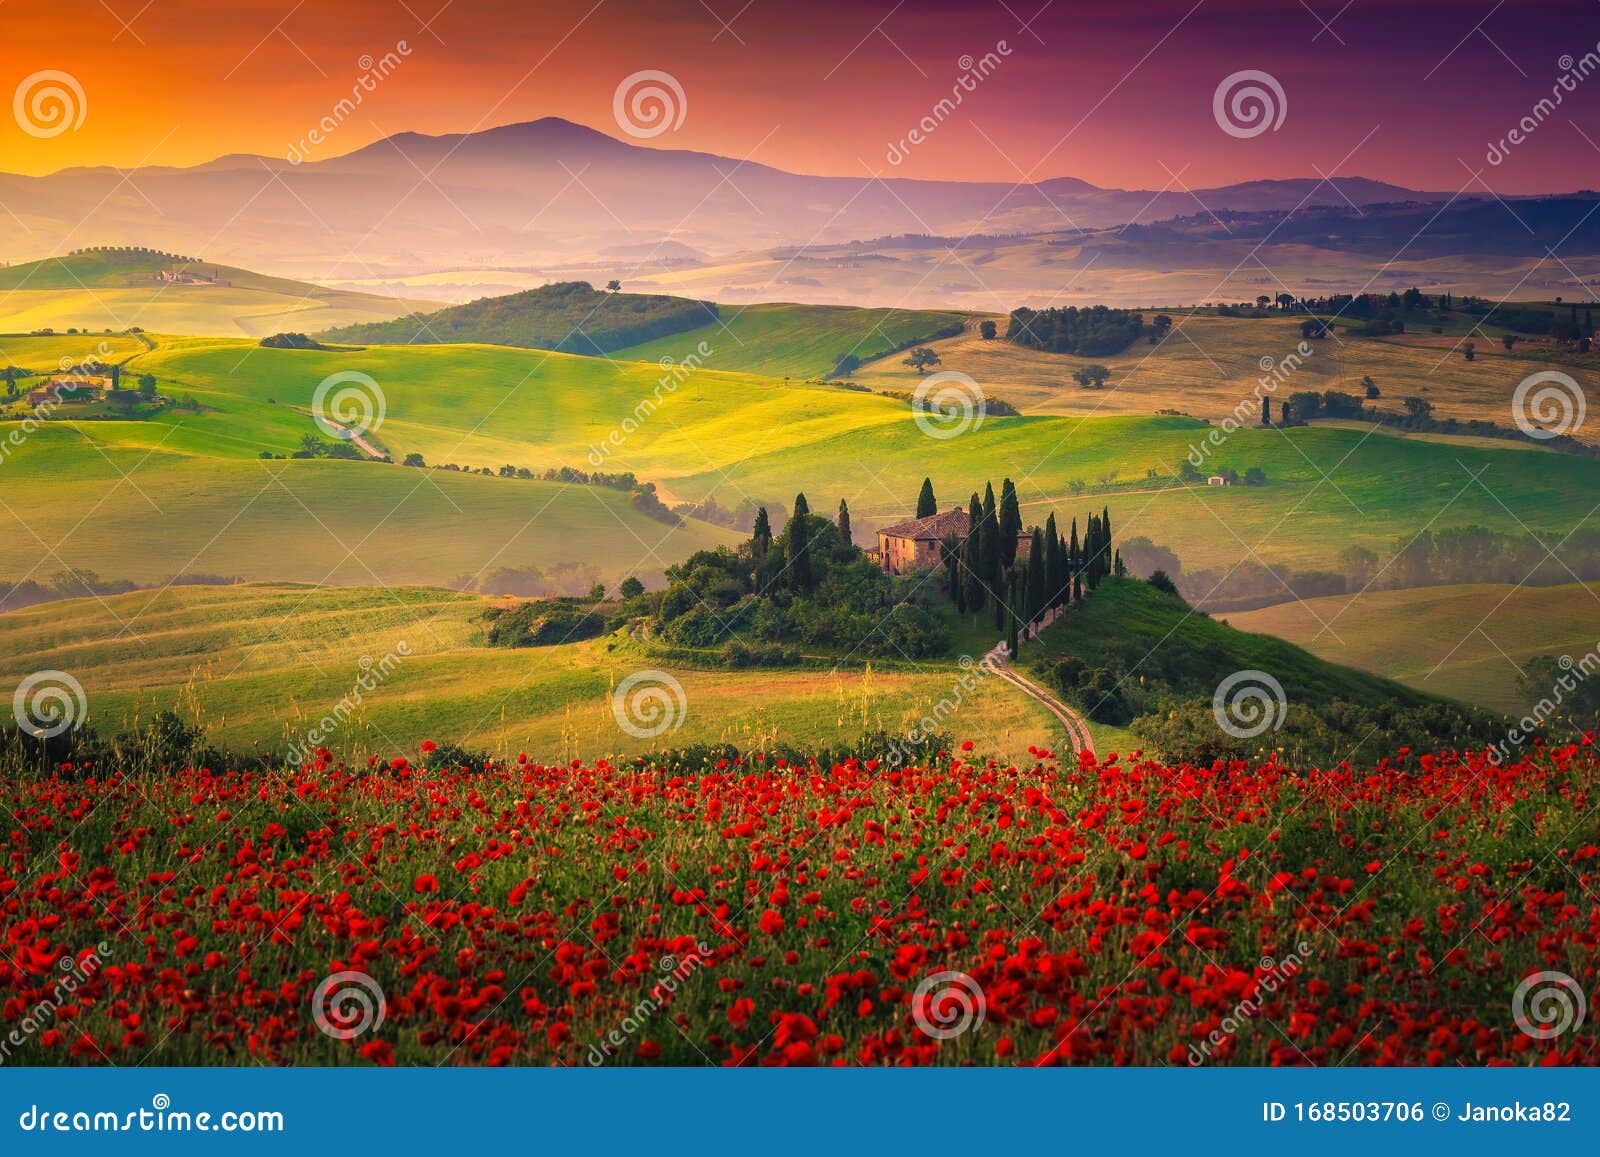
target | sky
[{"x": 1422, "y": 93}]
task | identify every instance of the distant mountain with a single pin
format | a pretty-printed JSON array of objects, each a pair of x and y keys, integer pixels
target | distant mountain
[
  {"x": 569, "y": 317},
  {"x": 549, "y": 192}
]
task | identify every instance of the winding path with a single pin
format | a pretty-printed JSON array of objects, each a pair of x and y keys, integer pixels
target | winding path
[{"x": 1077, "y": 727}]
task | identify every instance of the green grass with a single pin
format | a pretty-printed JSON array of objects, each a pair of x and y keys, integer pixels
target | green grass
[
  {"x": 87, "y": 290},
  {"x": 96, "y": 498},
  {"x": 1466, "y": 642},
  {"x": 795, "y": 341},
  {"x": 257, "y": 665},
  {"x": 730, "y": 435},
  {"x": 48, "y": 354},
  {"x": 1131, "y": 626}
]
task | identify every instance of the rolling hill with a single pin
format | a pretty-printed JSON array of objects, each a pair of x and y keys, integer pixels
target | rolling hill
[
  {"x": 568, "y": 317},
  {"x": 801, "y": 341},
  {"x": 257, "y": 665},
  {"x": 119, "y": 289},
  {"x": 1466, "y": 642},
  {"x": 731, "y": 436},
  {"x": 509, "y": 192}
]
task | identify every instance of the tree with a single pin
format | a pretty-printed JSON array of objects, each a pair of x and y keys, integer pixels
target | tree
[
  {"x": 1055, "y": 568},
  {"x": 310, "y": 443},
  {"x": 989, "y": 548},
  {"x": 147, "y": 387},
  {"x": 798, "y": 533},
  {"x": 1075, "y": 560},
  {"x": 413, "y": 459},
  {"x": 761, "y": 536},
  {"x": 987, "y": 330},
  {"x": 1510, "y": 342},
  {"x": 844, "y": 524},
  {"x": 1469, "y": 350},
  {"x": 631, "y": 588},
  {"x": 972, "y": 577},
  {"x": 846, "y": 365},
  {"x": 1010, "y": 524},
  {"x": 11, "y": 381},
  {"x": 927, "y": 505},
  {"x": 1091, "y": 377},
  {"x": 116, "y": 376},
  {"x": 614, "y": 285},
  {"x": 1037, "y": 564},
  {"x": 1255, "y": 476},
  {"x": 1162, "y": 582},
  {"x": 1418, "y": 409},
  {"x": 1370, "y": 387},
  {"x": 920, "y": 358},
  {"x": 1162, "y": 323}
]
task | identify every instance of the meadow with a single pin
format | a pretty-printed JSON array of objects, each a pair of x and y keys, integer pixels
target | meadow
[
  {"x": 797, "y": 341},
  {"x": 1463, "y": 642},
  {"x": 969, "y": 911},
  {"x": 258, "y": 665},
  {"x": 1208, "y": 364},
  {"x": 86, "y": 290},
  {"x": 733, "y": 436}
]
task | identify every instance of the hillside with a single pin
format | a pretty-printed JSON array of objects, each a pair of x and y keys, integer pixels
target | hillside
[
  {"x": 731, "y": 436},
  {"x": 1130, "y": 655},
  {"x": 518, "y": 186},
  {"x": 568, "y": 317},
  {"x": 1467, "y": 642},
  {"x": 257, "y": 665},
  {"x": 800, "y": 341},
  {"x": 118, "y": 289}
]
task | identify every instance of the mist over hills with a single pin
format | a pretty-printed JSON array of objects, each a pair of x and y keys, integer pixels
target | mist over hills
[{"x": 551, "y": 200}]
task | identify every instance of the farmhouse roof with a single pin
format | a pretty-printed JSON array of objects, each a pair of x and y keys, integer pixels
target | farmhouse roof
[{"x": 934, "y": 528}]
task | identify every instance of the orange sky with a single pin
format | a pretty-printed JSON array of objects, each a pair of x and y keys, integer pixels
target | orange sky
[{"x": 1117, "y": 93}]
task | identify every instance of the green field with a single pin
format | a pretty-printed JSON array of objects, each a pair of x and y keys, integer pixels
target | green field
[
  {"x": 795, "y": 341},
  {"x": 87, "y": 290},
  {"x": 257, "y": 665},
  {"x": 731, "y": 435},
  {"x": 1466, "y": 642},
  {"x": 131, "y": 509}
]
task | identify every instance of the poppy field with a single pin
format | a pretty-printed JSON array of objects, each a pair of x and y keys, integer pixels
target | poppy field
[{"x": 1429, "y": 910}]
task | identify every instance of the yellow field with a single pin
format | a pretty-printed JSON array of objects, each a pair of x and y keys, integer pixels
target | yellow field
[
  {"x": 259, "y": 665},
  {"x": 1208, "y": 365},
  {"x": 1464, "y": 642}
]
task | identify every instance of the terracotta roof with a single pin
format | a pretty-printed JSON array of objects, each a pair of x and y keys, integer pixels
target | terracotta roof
[{"x": 935, "y": 528}]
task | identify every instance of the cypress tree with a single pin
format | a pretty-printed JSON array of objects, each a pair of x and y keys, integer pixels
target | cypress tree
[
  {"x": 1036, "y": 576},
  {"x": 761, "y": 536},
  {"x": 1013, "y": 597},
  {"x": 1074, "y": 554},
  {"x": 1054, "y": 563},
  {"x": 972, "y": 558},
  {"x": 1105, "y": 540},
  {"x": 1010, "y": 524},
  {"x": 950, "y": 553},
  {"x": 844, "y": 523},
  {"x": 1117, "y": 568},
  {"x": 799, "y": 533},
  {"x": 989, "y": 554},
  {"x": 927, "y": 505}
]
